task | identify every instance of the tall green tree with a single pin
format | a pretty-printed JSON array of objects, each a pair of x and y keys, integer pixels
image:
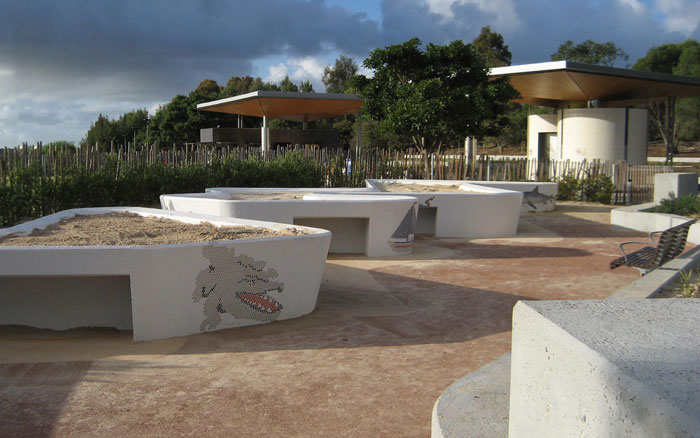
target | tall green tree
[
  {"x": 435, "y": 96},
  {"x": 491, "y": 46},
  {"x": 337, "y": 78},
  {"x": 688, "y": 110},
  {"x": 129, "y": 127},
  {"x": 590, "y": 52},
  {"x": 670, "y": 117}
]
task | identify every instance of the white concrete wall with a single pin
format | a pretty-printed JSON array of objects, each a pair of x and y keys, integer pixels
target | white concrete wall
[
  {"x": 360, "y": 222},
  {"x": 592, "y": 133},
  {"x": 165, "y": 280},
  {"x": 479, "y": 212},
  {"x": 667, "y": 185},
  {"x": 605, "y": 368},
  {"x": 537, "y": 123}
]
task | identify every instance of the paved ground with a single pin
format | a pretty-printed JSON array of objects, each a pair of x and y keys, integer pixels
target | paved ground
[{"x": 388, "y": 336}]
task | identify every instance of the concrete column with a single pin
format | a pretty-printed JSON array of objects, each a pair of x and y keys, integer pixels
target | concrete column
[{"x": 265, "y": 136}]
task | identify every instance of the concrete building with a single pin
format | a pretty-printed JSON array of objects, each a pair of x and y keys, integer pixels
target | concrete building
[{"x": 595, "y": 113}]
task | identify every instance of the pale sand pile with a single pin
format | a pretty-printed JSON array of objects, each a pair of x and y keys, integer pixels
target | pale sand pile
[
  {"x": 401, "y": 187},
  {"x": 122, "y": 229},
  {"x": 271, "y": 196}
]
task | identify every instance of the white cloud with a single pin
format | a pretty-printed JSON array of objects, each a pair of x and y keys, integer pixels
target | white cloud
[
  {"x": 680, "y": 15},
  {"x": 276, "y": 73},
  {"x": 154, "y": 107},
  {"x": 503, "y": 10},
  {"x": 307, "y": 69},
  {"x": 298, "y": 69},
  {"x": 635, "y": 5}
]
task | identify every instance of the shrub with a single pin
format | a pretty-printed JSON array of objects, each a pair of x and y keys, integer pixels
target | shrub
[
  {"x": 598, "y": 188},
  {"x": 28, "y": 194},
  {"x": 685, "y": 205},
  {"x": 568, "y": 189}
]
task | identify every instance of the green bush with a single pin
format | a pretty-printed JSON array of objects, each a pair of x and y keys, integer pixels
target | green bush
[
  {"x": 28, "y": 194},
  {"x": 685, "y": 205},
  {"x": 598, "y": 188},
  {"x": 568, "y": 189}
]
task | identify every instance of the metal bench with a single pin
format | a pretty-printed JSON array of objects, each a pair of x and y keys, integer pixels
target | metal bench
[{"x": 670, "y": 244}]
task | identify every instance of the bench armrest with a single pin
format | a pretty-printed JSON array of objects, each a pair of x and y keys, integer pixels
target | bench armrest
[
  {"x": 652, "y": 234},
  {"x": 622, "y": 249}
]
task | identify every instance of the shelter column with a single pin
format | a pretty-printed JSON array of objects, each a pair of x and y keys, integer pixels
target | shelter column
[{"x": 265, "y": 136}]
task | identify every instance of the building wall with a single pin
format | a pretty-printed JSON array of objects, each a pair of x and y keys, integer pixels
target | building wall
[
  {"x": 637, "y": 142},
  {"x": 536, "y": 124},
  {"x": 592, "y": 133}
]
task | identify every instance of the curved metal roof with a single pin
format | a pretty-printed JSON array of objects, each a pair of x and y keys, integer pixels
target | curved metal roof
[
  {"x": 299, "y": 107},
  {"x": 552, "y": 83}
]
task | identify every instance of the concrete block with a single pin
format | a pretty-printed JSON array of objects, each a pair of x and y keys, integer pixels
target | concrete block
[
  {"x": 359, "y": 221},
  {"x": 157, "y": 289},
  {"x": 478, "y": 212},
  {"x": 667, "y": 185},
  {"x": 605, "y": 368}
]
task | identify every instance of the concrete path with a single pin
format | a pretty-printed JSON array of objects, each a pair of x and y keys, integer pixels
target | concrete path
[{"x": 388, "y": 336}]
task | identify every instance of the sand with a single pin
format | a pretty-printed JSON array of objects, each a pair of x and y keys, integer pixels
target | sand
[
  {"x": 269, "y": 196},
  {"x": 401, "y": 187},
  {"x": 122, "y": 229}
]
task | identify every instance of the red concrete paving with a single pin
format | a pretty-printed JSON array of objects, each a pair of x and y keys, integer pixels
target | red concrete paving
[{"x": 388, "y": 336}]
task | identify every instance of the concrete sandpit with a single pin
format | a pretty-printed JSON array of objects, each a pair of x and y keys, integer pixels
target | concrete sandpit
[
  {"x": 165, "y": 289},
  {"x": 359, "y": 221}
]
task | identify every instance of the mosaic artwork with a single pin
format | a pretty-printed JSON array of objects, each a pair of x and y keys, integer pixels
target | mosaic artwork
[
  {"x": 237, "y": 285},
  {"x": 405, "y": 232},
  {"x": 537, "y": 201}
]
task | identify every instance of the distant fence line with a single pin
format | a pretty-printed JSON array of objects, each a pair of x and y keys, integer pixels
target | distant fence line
[{"x": 633, "y": 184}]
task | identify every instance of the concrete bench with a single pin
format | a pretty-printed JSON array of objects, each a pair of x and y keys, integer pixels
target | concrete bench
[
  {"x": 359, "y": 222},
  {"x": 155, "y": 289}
]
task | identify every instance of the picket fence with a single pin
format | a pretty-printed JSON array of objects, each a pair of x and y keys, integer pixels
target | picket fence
[{"x": 349, "y": 168}]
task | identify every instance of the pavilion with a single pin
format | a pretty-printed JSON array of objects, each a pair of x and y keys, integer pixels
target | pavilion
[
  {"x": 593, "y": 113},
  {"x": 298, "y": 107}
]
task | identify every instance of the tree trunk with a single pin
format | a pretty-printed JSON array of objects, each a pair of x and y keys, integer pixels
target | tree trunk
[{"x": 664, "y": 116}]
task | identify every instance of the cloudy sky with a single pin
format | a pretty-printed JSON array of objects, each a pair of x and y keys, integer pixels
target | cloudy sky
[{"x": 62, "y": 63}]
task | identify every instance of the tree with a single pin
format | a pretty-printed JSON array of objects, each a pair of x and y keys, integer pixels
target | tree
[
  {"x": 492, "y": 48},
  {"x": 437, "y": 96},
  {"x": 337, "y": 78},
  {"x": 306, "y": 87},
  {"x": 590, "y": 52},
  {"x": 688, "y": 110},
  {"x": 287, "y": 85},
  {"x": 129, "y": 127},
  {"x": 59, "y": 146},
  {"x": 668, "y": 117},
  {"x": 209, "y": 87}
]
